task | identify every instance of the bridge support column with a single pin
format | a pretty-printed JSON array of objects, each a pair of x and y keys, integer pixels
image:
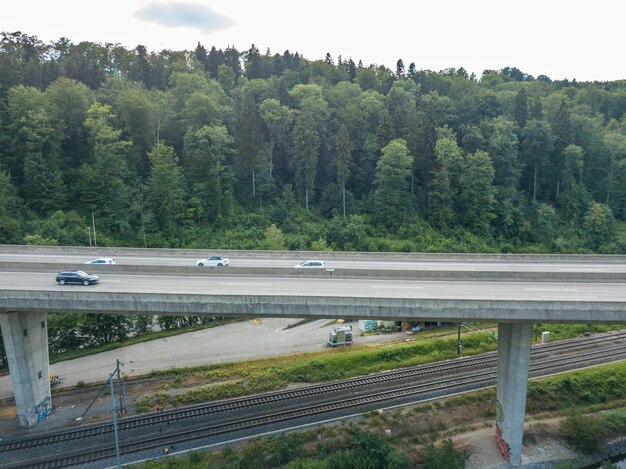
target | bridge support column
[
  {"x": 25, "y": 336},
  {"x": 514, "y": 341}
]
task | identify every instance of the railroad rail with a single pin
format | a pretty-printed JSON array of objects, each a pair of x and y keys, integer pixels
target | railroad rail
[{"x": 464, "y": 379}]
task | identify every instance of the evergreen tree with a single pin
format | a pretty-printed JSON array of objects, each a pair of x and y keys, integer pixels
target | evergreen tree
[
  {"x": 351, "y": 69},
  {"x": 202, "y": 56},
  {"x": 572, "y": 192},
  {"x": 521, "y": 108},
  {"x": 536, "y": 145},
  {"x": 214, "y": 59},
  {"x": 562, "y": 133},
  {"x": 343, "y": 152},
  {"x": 535, "y": 111},
  {"x": 253, "y": 63},
  {"x": 142, "y": 70},
  {"x": 10, "y": 229},
  {"x": 392, "y": 174},
  {"x": 443, "y": 207},
  {"x": 206, "y": 150},
  {"x": 477, "y": 192},
  {"x": 166, "y": 191},
  {"x": 250, "y": 134},
  {"x": 306, "y": 143},
  {"x": 277, "y": 119},
  {"x": 400, "y": 71},
  {"x": 440, "y": 201},
  {"x": 615, "y": 173},
  {"x": 103, "y": 185}
]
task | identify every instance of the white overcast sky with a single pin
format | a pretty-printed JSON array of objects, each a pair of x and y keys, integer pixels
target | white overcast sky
[{"x": 575, "y": 39}]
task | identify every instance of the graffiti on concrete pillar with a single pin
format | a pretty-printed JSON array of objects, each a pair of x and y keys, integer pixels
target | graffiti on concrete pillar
[
  {"x": 503, "y": 446},
  {"x": 44, "y": 408},
  {"x": 499, "y": 413}
]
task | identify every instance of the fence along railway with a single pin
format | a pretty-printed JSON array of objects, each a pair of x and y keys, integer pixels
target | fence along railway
[{"x": 331, "y": 400}]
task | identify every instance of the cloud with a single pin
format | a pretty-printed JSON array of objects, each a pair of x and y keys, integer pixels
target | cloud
[{"x": 183, "y": 15}]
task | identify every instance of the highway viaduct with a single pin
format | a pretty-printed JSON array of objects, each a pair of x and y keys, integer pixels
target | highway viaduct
[{"x": 28, "y": 292}]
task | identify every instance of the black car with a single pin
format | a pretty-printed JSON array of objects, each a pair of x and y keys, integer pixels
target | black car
[{"x": 76, "y": 276}]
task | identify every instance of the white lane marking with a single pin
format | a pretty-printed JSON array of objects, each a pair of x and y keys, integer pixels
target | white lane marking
[
  {"x": 238, "y": 284},
  {"x": 551, "y": 289},
  {"x": 396, "y": 286},
  {"x": 406, "y": 295},
  {"x": 571, "y": 298},
  {"x": 574, "y": 269}
]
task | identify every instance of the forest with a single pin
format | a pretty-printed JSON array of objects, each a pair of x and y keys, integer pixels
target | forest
[{"x": 227, "y": 149}]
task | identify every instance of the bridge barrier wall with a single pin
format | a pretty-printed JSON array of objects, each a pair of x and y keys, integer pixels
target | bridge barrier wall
[
  {"x": 400, "y": 274},
  {"x": 199, "y": 253}
]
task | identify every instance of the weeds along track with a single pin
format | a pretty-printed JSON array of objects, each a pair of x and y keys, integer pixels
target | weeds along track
[{"x": 434, "y": 380}]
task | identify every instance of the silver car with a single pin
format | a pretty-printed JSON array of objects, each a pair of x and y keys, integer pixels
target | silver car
[
  {"x": 101, "y": 260},
  {"x": 213, "y": 261},
  {"x": 311, "y": 265}
]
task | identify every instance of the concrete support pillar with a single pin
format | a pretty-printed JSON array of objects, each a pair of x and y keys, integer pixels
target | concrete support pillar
[
  {"x": 514, "y": 341},
  {"x": 25, "y": 338}
]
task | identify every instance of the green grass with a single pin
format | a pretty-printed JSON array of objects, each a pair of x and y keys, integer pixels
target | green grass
[
  {"x": 239, "y": 379},
  {"x": 569, "y": 331},
  {"x": 585, "y": 388},
  {"x": 221, "y": 381},
  {"x": 341, "y": 446}
]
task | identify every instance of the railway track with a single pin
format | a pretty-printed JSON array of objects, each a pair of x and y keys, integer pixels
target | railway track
[{"x": 464, "y": 379}]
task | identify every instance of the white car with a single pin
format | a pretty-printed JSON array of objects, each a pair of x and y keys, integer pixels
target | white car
[
  {"x": 101, "y": 260},
  {"x": 213, "y": 261},
  {"x": 311, "y": 265}
]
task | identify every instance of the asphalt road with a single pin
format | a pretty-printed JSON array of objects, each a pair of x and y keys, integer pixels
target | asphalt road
[
  {"x": 337, "y": 263},
  {"x": 327, "y": 287}
]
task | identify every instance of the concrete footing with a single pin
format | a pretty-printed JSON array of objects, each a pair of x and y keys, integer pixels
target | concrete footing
[
  {"x": 25, "y": 338},
  {"x": 514, "y": 341}
]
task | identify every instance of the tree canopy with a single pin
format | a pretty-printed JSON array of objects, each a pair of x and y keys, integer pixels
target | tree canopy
[{"x": 227, "y": 148}]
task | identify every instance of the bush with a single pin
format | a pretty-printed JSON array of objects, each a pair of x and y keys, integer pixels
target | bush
[
  {"x": 367, "y": 450},
  {"x": 583, "y": 432},
  {"x": 445, "y": 457}
]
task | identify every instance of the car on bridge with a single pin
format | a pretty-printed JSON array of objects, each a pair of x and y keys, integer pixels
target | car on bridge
[
  {"x": 311, "y": 265},
  {"x": 213, "y": 261},
  {"x": 77, "y": 277},
  {"x": 101, "y": 260}
]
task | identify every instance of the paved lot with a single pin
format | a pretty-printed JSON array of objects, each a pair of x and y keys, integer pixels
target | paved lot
[{"x": 240, "y": 341}]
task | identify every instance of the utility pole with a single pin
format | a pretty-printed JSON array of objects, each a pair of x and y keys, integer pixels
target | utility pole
[
  {"x": 121, "y": 389},
  {"x": 89, "y": 233},
  {"x": 458, "y": 341},
  {"x": 143, "y": 227},
  {"x": 93, "y": 223},
  {"x": 117, "y": 440}
]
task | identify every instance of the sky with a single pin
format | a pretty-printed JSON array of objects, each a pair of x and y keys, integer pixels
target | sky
[{"x": 562, "y": 39}]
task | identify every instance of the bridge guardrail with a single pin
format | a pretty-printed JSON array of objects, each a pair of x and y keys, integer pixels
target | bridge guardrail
[
  {"x": 338, "y": 273},
  {"x": 414, "y": 256}
]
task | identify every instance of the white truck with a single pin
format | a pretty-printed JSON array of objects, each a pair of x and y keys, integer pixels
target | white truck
[{"x": 340, "y": 335}]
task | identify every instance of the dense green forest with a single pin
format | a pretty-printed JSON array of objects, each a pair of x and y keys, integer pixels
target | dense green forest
[{"x": 248, "y": 150}]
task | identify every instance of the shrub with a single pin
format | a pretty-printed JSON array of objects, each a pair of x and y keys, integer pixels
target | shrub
[
  {"x": 445, "y": 457},
  {"x": 585, "y": 433},
  {"x": 366, "y": 450}
]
